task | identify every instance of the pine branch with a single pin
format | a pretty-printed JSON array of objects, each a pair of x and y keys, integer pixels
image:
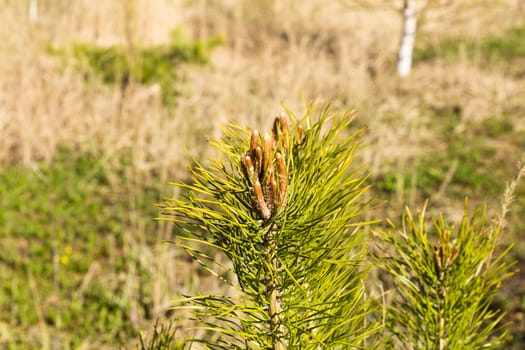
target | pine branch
[
  {"x": 445, "y": 283},
  {"x": 285, "y": 207}
]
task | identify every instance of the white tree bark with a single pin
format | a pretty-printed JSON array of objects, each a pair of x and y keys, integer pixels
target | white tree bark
[
  {"x": 404, "y": 57},
  {"x": 33, "y": 11}
]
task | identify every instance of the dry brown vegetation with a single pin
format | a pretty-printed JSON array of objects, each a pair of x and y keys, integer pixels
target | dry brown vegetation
[{"x": 274, "y": 52}]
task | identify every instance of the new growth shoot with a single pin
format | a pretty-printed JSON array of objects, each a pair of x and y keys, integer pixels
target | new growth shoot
[
  {"x": 285, "y": 207},
  {"x": 264, "y": 170}
]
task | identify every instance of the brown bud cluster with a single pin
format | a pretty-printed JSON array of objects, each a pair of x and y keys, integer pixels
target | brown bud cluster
[
  {"x": 444, "y": 253},
  {"x": 264, "y": 168}
]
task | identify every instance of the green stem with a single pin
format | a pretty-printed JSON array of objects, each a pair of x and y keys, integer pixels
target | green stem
[
  {"x": 441, "y": 311},
  {"x": 273, "y": 289},
  {"x": 275, "y": 321}
]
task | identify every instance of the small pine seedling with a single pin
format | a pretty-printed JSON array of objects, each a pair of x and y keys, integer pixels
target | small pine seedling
[
  {"x": 286, "y": 208},
  {"x": 445, "y": 281}
]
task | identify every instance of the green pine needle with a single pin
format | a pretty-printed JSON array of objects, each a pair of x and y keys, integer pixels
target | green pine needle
[{"x": 300, "y": 273}]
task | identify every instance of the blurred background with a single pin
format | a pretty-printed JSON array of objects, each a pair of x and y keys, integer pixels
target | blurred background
[{"x": 101, "y": 103}]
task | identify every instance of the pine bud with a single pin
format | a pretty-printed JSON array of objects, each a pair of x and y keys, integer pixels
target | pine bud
[
  {"x": 259, "y": 161},
  {"x": 267, "y": 150},
  {"x": 451, "y": 256},
  {"x": 244, "y": 168},
  {"x": 250, "y": 168},
  {"x": 283, "y": 123},
  {"x": 254, "y": 142},
  {"x": 270, "y": 189},
  {"x": 454, "y": 254},
  {"x": 437, "y": 258},
  {"x": 276, "y": 132},
  {"x": 260, "y": 203}
]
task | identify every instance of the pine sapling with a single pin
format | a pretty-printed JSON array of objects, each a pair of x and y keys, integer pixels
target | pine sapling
[
  {"x": 445, "y": 281},
  {"x": 286, "y": 208}
]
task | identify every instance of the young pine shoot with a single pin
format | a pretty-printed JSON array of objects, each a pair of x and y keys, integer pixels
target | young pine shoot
[
  {"x": 445, "y": 281},
  {"x": 286, "y": 208}
]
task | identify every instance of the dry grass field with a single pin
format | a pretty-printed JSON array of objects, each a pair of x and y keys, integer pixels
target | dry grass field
[{"x": 83, "y": 160}]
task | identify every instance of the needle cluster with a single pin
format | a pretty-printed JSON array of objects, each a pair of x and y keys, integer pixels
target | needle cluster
[
  {"x": 446, "y": 279},
  {"x": 264, "y": 169},
  {"x": 286, "y": 208}
]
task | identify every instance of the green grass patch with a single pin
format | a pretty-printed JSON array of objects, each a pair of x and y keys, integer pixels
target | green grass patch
[
  {"x": 468, "y": 177},
  {"x": 465, "y": 161},
  {"x": 507, "y": 47},
  {"x": 146, "y": 65},
  {"x": 56, "y": 222}
]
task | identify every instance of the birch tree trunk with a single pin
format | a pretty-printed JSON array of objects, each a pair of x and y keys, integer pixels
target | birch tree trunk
[
  {"x": 404, "y": 57},
  {"x": 33, "y": 11}
]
